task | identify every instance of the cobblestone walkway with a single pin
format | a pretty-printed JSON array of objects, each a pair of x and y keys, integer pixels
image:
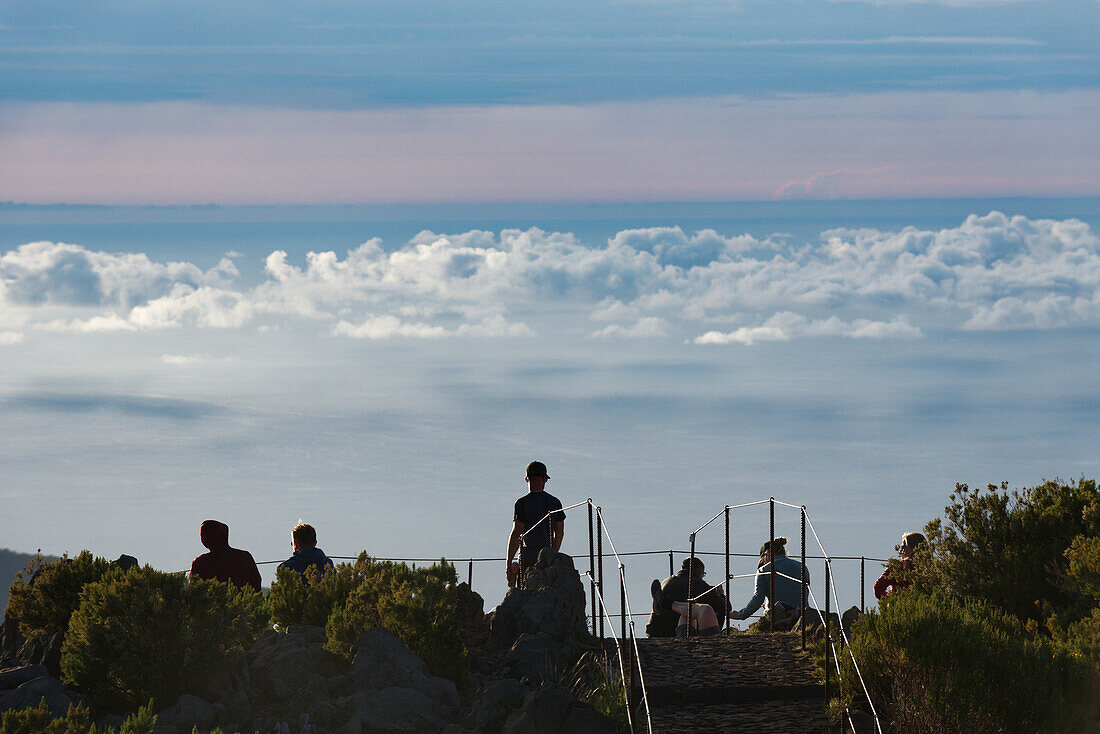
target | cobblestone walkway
[{"x": 735, "y": 683}]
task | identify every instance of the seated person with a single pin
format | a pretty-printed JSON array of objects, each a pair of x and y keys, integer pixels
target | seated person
[
  {"x": 788, "y": 588},
  {"x": 223, "y": 563},
  {"x": 306, "y": 553},
  {"x": 670, "y": 605},
  {"x": 896, "y": 575}
]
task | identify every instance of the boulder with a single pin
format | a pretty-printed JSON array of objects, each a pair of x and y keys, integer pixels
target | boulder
[
  {"x": 537, "y": 658},
  {"x": 15, "y": 677},
  {"x": 380, "y": 660},
  {"x": 190, "y": 711},
  {"x": 291, "y": 669},
  {"x": 493, "y": 704},
  {"x": 45, "y": 651},
  {"x": 395, "y": 710},
  {"x": 552, "y": 601},
  {"x": 29, "y": 694},
  {"x": 229, "y": 687},
  {"x": 553, "y": 710},
  {"x": 471, "y": 615}
]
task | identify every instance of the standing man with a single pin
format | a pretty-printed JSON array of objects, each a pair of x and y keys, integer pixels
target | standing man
[
  {"x": 532, "y": 530},
  {"x": 306, "y": 553}
]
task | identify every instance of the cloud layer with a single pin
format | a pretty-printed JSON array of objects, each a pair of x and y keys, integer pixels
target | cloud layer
[{"x": 991, "y": 272}]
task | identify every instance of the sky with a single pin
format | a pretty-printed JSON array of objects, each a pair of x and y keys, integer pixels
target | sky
[
  {"x": 628, "y": 100},
  {"x": 359, "y": 263}
]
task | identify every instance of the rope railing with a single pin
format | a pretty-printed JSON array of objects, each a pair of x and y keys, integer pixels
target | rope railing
[
  {"x": 830, "y": 589},
  {"x": 627, "y": 618},
  {"x": 619, "y": 653}
]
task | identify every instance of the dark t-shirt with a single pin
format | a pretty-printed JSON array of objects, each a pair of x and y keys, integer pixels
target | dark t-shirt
[
  {"x": 530, "y": 509},
  {"x": 663, "y": 623}
]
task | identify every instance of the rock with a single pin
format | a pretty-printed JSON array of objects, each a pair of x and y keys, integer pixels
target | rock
[
  {"x": 11, "y": 637},
  {"x": 393, "y": 710},
  {"x": 494, "y": 703},
  {"x": 190, "y": 711},
  {"x": 290, "y": 669},
  {"x": 849, "y": 618},
  {"x": 471, "y": 615},
  {"x": 382, "y": 661},
  {"x": 229, "y": 687},
  {"x": 29, "y": 694},
  {"x": 45, "y": 651},
  {"x": 553, "y": 710},
  {"x": 552, "y": 601},
  {"x": 538, "y": 658},
  {"x": 15, "y": 677}
]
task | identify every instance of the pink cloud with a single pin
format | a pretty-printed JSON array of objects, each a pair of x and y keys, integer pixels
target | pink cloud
[{"x": 938, "y": 143}]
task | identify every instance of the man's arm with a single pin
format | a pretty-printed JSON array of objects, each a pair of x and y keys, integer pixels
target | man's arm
[
  {"x": 513, "y": 540},
  {"x": 558, "y": 527}
]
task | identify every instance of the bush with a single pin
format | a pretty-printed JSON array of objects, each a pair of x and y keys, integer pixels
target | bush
[
  {"x": 44, "y": 595},
  {"x": 935, "y": 663},
  {"x": 309, "y": 600},
  {"x": 418, "y": 605},
  {"x": 77, "y": 720},
  {"x": 148, "y": 635},
  {"x": 1010, "y": 548}
]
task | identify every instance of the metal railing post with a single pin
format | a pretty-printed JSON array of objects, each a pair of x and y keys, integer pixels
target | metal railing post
[
  {"x": 671, "y": 565},
  {"x": 802, "y": 616},
  {"x": 691, "y": 577},
  {"x": 622, "y": 602},
  {"x": 771, "y": 562},
  {"x": 726, "y": 581},
  {"x": 630, "y": 702},
  {"x": 862, "y": 584},
  {"x": 599, "y": 566},
  {"x": 828, "y": 646},
  {"x": 592, "y": 569},
  {"x": 470, "y": 574}
]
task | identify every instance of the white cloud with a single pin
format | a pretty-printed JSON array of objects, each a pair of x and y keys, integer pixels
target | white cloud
[
  {"x": 9, "y": 338},
  {"x": 180, "y": 359},
  {"x": 989, "y": 272},
  {"x": 649, "y": 326},
  {"x": 832, "y": 184}
]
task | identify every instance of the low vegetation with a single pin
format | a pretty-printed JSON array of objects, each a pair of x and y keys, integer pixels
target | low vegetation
[{"x": 999, "y": 630}]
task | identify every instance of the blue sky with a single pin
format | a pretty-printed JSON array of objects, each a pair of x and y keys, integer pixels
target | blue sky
[
  {"x": 359, "y": 263},
  {"x": 253, "y": 103}
]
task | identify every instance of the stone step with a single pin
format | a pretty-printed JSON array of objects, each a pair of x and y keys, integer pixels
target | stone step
[{"x": 766, "y": 717}]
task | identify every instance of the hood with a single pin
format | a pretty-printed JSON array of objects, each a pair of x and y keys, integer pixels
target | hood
[{"x": 214, "y": 534}]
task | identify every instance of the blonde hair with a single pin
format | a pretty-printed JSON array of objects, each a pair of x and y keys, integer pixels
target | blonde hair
[{"x": 913, "y": 540}]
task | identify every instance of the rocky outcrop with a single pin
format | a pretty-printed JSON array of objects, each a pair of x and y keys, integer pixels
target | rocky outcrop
[
  {"x": 26, "y": 686},
  {"x": 553, "y": 710},
  {"x": 552, "y": 601}
]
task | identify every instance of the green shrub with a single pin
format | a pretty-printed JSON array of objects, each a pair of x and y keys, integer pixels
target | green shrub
[
  {"x": 149, "y": 635},
  {"x": 935, "y": 663},
  {"x": 418, "y": 605},
  {"x": 597, "y": 680},
  {"x": 78, "y": 720},
  {"x": 1010, "y": 548},
  {"x": 44, "y": 607},
  {"x": 309, "y": 600}
]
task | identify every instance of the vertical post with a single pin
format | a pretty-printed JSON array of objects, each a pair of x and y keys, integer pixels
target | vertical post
[
  {"x": 622, "y": 603},
  {"x": 771, "y": 563},
  {"x": 802, "y": 616},
  {"x": 691, "y": 578},
  {"x": 592, "y": 569},
  {"x": 599, "y": 565},
  {"x": 671, "y": 565},
  {"x": 630, "y": 671},
  {"x": 862, "y": 584},
  {"x": 726, "y": 582},
  {"x": 470, "y": 574},
  {"x": 828, "y": 645}
]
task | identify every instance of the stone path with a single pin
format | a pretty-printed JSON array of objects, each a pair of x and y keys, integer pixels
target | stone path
[{"x": 735, "y": 683}]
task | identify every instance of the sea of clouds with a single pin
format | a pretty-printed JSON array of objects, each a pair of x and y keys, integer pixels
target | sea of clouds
[{"x": 991, "y": 272}]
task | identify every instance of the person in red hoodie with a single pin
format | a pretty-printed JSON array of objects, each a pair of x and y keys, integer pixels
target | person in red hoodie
[
  {"x": 896, "y": 575},
  {"x": 223, "y": 563}
]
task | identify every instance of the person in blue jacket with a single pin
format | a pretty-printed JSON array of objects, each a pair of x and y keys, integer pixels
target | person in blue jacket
[
  {"x": 788, "y": 588},
  {"x": 306, "y": 553}
]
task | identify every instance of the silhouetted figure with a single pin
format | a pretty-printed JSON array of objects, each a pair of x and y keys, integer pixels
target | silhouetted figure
[
  {"x": 788, "y": 588},
  {"x": 670, "y": 607},
  {"x": 306, "y": 553},
  {"x": 896, "y": 576},
  {"x": 223, "y": 563},
  {"x": 529, "y": 512}
]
